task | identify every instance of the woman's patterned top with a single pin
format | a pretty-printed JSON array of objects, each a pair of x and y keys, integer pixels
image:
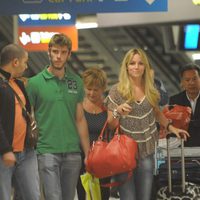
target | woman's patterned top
[
  {"x": 95, "y": 123},
  {"x": 140, "y": 124}
]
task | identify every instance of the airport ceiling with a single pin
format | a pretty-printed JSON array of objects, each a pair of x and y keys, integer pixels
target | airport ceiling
[{"x": 105, "y": 48}]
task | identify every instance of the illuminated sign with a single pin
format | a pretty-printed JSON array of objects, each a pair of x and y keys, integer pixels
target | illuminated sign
[
  {"x": 81, "y": 6},
  {"x": 46, "y": 19},
  {"x": 37, "y": 38},
  {"x": 189, "y": 37},
  {"x": 196, "y": 2}
]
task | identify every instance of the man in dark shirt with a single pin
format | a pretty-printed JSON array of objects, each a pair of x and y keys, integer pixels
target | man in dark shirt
[
  {"x": 18, "y": 161},
  {"x": 190, "y": 82}
]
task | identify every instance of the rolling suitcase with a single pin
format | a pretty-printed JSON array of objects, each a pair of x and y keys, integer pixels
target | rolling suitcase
[{"x": 185, "y": 191}]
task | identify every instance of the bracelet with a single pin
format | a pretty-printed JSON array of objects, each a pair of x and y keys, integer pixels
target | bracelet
[
  {"x": 115, "y": 114},
  {"x": 167, "y": 127}
]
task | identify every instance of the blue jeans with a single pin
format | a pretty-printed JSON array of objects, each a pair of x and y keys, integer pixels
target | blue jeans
[
  {"x": 24, "y": 174},
  {"x": 139, "y": 187},
  {"x": 59, "y": 174}
]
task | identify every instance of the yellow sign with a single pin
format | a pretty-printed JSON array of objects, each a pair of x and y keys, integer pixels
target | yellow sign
[
  {"x": 196, "y": 2},
  {"x": 37, "y": 38}
]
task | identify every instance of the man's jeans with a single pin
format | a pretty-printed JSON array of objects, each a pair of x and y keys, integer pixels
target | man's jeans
[
  {"x": 139, "y": 187},
  {"x": 59, "y": 174},
  {"x": 24, "y": 175}
]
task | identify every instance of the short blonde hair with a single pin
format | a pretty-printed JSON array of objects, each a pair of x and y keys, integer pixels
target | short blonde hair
[{"x": 95, "y": 77}]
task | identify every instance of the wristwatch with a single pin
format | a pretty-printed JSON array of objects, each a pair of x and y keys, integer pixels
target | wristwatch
[{"x": 115, "y": 114}]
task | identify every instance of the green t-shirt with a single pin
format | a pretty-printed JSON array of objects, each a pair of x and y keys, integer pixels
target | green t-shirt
[{"x": 55, "y": 103}]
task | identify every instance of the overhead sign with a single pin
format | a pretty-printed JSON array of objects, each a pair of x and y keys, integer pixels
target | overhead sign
[
  {"x": 37, "y": 38},
  {"x": 196, "y": 2},
  {"x": 46, "y": 19},
  {"x": 189, "y": 12},
  {"x": 9, "y": 7}
]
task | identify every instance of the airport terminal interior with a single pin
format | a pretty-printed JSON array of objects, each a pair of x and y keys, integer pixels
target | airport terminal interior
[{"x": 104, "y": 47}]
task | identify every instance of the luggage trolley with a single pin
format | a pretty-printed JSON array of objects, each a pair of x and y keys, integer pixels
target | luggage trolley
[{"x": 185, "y": 190}]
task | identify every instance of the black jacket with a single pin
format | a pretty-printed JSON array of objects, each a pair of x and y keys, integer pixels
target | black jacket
[
  {"x": 194, "y": 126},
  {"x": 7, "y": 112}
]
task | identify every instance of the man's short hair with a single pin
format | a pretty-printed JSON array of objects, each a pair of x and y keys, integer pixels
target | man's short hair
[
  {"x": 10, "y": 52},
  {"x": 61, "y": 40},
  {"x": 190, "y": 66}
]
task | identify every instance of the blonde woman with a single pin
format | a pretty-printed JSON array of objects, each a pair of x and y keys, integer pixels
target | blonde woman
[{"x": 133, "y": 102}]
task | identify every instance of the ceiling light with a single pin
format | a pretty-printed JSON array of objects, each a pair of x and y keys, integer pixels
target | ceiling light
[
  {"x": 196, "y": 56},
  {"x": 86, "y": 25}
]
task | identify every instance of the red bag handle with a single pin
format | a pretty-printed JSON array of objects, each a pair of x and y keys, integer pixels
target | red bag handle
[
  {"x": 117, "y": 183},
  {"x": 103, "y": 130}
]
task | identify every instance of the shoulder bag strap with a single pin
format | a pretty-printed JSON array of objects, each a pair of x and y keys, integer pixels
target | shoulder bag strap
[
  {"x": 17, "y": 96},
  {"x": 21, "y": 103}
]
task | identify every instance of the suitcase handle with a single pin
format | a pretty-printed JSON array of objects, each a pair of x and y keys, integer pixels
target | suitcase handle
[
  {"x": 182, "y": 163},
  {"x": 172, "y": 135}
]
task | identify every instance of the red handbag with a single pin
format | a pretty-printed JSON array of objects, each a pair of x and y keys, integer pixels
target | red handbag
[
  {"x": 178, "y": 115},
  {"x": 108, "y": 158}
]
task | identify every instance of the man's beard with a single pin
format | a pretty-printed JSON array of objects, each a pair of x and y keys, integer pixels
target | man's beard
[
  {"x": 57, "y": 68},
  {"x": 54, "y": 67}
]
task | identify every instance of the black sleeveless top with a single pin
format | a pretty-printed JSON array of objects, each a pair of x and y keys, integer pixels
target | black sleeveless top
[{"x": 95, "y": 124}]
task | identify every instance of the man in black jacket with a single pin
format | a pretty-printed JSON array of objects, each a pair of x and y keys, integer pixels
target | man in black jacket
[
  {"x": 17, "y": 159},
  {"x": 190, "y": 96}
]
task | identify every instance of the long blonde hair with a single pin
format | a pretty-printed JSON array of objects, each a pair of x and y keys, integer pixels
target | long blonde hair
[{"x": 125, "y": 86}]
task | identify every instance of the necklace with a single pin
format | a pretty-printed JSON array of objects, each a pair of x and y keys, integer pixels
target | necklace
[
  {"x": 95, "y": 110},
  {"x": 92, "y": 107}
]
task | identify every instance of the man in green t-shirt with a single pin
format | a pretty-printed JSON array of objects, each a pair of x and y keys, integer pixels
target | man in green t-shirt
[{"x": 56, "y": 94}]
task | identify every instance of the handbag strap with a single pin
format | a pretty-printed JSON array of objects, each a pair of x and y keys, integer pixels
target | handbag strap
[
  {"x": 104, "y": 128},
  {"x": 17, "y": 96},
  {"x": 117, "y": 183},
  {"x": 21, "y": 103}
]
